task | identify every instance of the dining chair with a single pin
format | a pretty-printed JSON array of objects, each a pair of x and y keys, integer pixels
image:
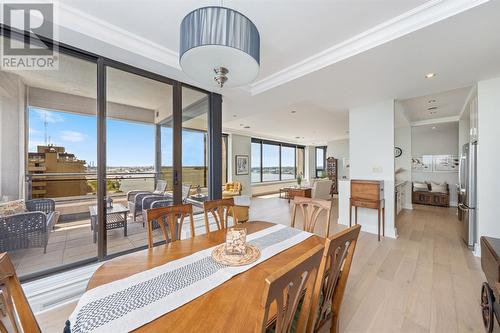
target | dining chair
[
  {"x": 311, "y": 210},
  {"x": 332, "y": 279},
  {"x": 288, "y": 289},
  {"x": 219, "y": 210},
  {"x": 15, "y": 312},
  {"x": 170, "y": 220}
]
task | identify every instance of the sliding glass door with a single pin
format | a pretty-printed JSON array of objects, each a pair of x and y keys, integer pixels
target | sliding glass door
[
  {"x": 195, "y": 107},
  {"x": 135, "y": 108},
  {"x": 97, "y": 130}
]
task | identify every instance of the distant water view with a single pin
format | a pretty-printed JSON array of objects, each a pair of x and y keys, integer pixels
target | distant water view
[{"x": 272, "y": 174}]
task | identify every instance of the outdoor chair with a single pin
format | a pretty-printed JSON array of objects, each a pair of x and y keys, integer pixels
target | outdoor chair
[
  {"x": 157, "y": 200},
  {"x": 28, "y": 229},
  {"x": 135, "y": 197}
]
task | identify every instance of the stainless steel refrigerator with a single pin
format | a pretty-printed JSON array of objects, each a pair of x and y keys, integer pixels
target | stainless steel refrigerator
[{"x": 467, "y": 193}]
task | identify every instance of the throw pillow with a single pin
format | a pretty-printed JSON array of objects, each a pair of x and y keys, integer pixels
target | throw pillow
[
  {"x": 420, "y": 187},
  {"x": 439, "y": 188},
  {"x": 12, "y": 207}
]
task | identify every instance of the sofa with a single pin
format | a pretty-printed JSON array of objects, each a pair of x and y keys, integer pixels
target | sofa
[
  {"x": 422, "y": 194},
  {"x": 231, "y": 190},
  {"x": 28, "y": 227}
]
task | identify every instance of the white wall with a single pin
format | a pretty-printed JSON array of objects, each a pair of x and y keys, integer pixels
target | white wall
[
  {"x": 402, "y": 139},
  {"x": 488, "y": 158},
  {"x": 442, "y": 140},
  {"x": 310, "y": 163},
  {"x": 402, "y": 164},
  {"x": 340, "y": 150},
  {"x": 463, "y": 129},
  {"x": 371, "y": 150},
  {"x": 239, "y": 145},
  {"x": 12, "y": 133}
]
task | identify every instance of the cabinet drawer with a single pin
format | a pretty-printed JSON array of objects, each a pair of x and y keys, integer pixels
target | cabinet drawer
[{"x": 365, "y": 204}]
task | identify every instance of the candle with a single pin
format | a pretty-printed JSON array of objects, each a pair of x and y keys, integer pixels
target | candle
[{"x": 236, "y": 241}]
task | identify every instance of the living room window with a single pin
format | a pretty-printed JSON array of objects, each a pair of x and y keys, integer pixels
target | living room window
[
  {"x": 275, "y": 161},
  {"x": 320, "y": 161}
]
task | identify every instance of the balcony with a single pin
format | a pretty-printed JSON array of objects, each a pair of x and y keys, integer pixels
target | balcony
[{"x": 71, "y": 240}]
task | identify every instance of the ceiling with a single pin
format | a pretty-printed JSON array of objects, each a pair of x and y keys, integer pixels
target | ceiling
[
  {"x": 446, "y": 104},
  {"x": 285, "y": 26},
  {"x": 319, "y": 58},
  {"x": 429, "y": 128}
]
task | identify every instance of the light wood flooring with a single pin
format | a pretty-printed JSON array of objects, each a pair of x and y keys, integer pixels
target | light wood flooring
[{"x": 424, "y": 281}]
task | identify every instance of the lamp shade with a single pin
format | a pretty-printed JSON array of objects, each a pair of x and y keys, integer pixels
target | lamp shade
[{"x": 219, "y": 46}]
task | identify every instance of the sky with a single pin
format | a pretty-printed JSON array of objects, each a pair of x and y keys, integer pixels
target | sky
[{"x": 128, "y": 143}]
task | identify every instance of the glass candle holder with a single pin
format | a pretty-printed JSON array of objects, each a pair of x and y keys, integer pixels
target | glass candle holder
[{"x": 236, "y": 241}]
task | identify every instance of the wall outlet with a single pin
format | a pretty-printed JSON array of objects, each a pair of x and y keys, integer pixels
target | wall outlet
[{"x": 377, "y": 169}]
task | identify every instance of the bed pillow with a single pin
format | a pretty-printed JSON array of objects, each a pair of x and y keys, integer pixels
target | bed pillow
[
  {"x": 420, "y": 187},
  {"x": 439, "y": 188},
  {"x": 12, "y": 207}
]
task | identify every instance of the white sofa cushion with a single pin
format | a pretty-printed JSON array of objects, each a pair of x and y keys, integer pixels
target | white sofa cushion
[{"x": 439, "y": 188}]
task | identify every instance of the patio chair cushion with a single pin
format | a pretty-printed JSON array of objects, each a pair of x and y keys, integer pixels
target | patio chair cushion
[{"x": 12, "y": 207}]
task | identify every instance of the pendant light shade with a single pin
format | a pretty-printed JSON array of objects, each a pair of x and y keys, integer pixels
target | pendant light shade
[{"x": 219, "y": 46}]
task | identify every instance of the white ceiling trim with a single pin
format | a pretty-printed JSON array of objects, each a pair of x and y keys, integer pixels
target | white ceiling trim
[
  {"x": 76, "y": 20},
  {"x": 415, "y": 19},
  {"x": 436, "y": 121}
]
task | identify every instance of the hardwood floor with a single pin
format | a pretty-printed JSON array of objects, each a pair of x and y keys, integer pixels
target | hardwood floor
[{"x": 424, "y": 281}]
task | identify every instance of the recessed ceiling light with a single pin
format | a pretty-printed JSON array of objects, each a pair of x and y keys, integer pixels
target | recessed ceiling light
[
  {"x": 433, "y": 127},
  {"x": 246, "y": 127},
  {"x": 431, "y": 101},
  {"x": 430, "y": 75},
  {"x": 432, "y": 108}
]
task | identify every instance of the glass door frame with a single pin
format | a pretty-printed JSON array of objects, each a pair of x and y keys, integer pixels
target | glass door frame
[{"x": 214, "y": 136}]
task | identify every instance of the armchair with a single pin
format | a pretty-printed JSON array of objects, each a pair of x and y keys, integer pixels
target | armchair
[
  {"x": 134, "y": 198},
  {"x": 231, "y": 190},
  {"x": 321, "y": 189},
  {"x": 157, "y": 201},
  {"x": 28, "y": 229}
]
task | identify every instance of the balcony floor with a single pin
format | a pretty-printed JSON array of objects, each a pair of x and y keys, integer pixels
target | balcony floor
[{"x": 71, "y": 242}]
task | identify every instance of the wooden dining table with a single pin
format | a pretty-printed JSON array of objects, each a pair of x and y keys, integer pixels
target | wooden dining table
[{"x": 231, "y": 307}]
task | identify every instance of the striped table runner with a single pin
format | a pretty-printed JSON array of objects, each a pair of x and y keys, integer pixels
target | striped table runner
[{"x": 127, "y": 304}]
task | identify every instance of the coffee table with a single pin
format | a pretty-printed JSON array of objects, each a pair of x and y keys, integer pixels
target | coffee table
[
  {"x": 292, "y": 192},
  {"x": 197, "y": 199},
  {"x": 116, "y": 217}
]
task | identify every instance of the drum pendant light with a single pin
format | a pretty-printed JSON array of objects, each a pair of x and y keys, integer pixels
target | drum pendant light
[{"x": 219, "y": 46}]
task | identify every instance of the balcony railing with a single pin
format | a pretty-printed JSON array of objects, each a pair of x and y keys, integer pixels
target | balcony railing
[{"x": 73, "y": 186}]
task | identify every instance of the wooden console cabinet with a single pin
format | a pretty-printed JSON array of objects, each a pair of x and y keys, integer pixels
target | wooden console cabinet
[
  {"x": 367, "y": 194},
  {"x": 431, "y": 198}
]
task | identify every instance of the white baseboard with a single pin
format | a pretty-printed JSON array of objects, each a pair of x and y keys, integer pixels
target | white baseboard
[{"x": 56, "y": 290}]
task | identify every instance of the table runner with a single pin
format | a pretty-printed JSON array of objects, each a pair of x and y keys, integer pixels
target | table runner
[{"x": 129, "y": 303}]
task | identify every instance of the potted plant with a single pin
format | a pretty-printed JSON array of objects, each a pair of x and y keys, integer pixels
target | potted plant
[{"x": 299, "y": 179}]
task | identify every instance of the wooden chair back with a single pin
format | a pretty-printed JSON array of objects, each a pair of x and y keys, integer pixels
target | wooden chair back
[
  {"x": 170, "y": 219},
  {"x": 219, "y": 210},
  {"x": 332, "y": 279},
  {"x": 15, "y": 312},
  {"x": 311, "y": 210},
  {"x": 287, "y": 287}
]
